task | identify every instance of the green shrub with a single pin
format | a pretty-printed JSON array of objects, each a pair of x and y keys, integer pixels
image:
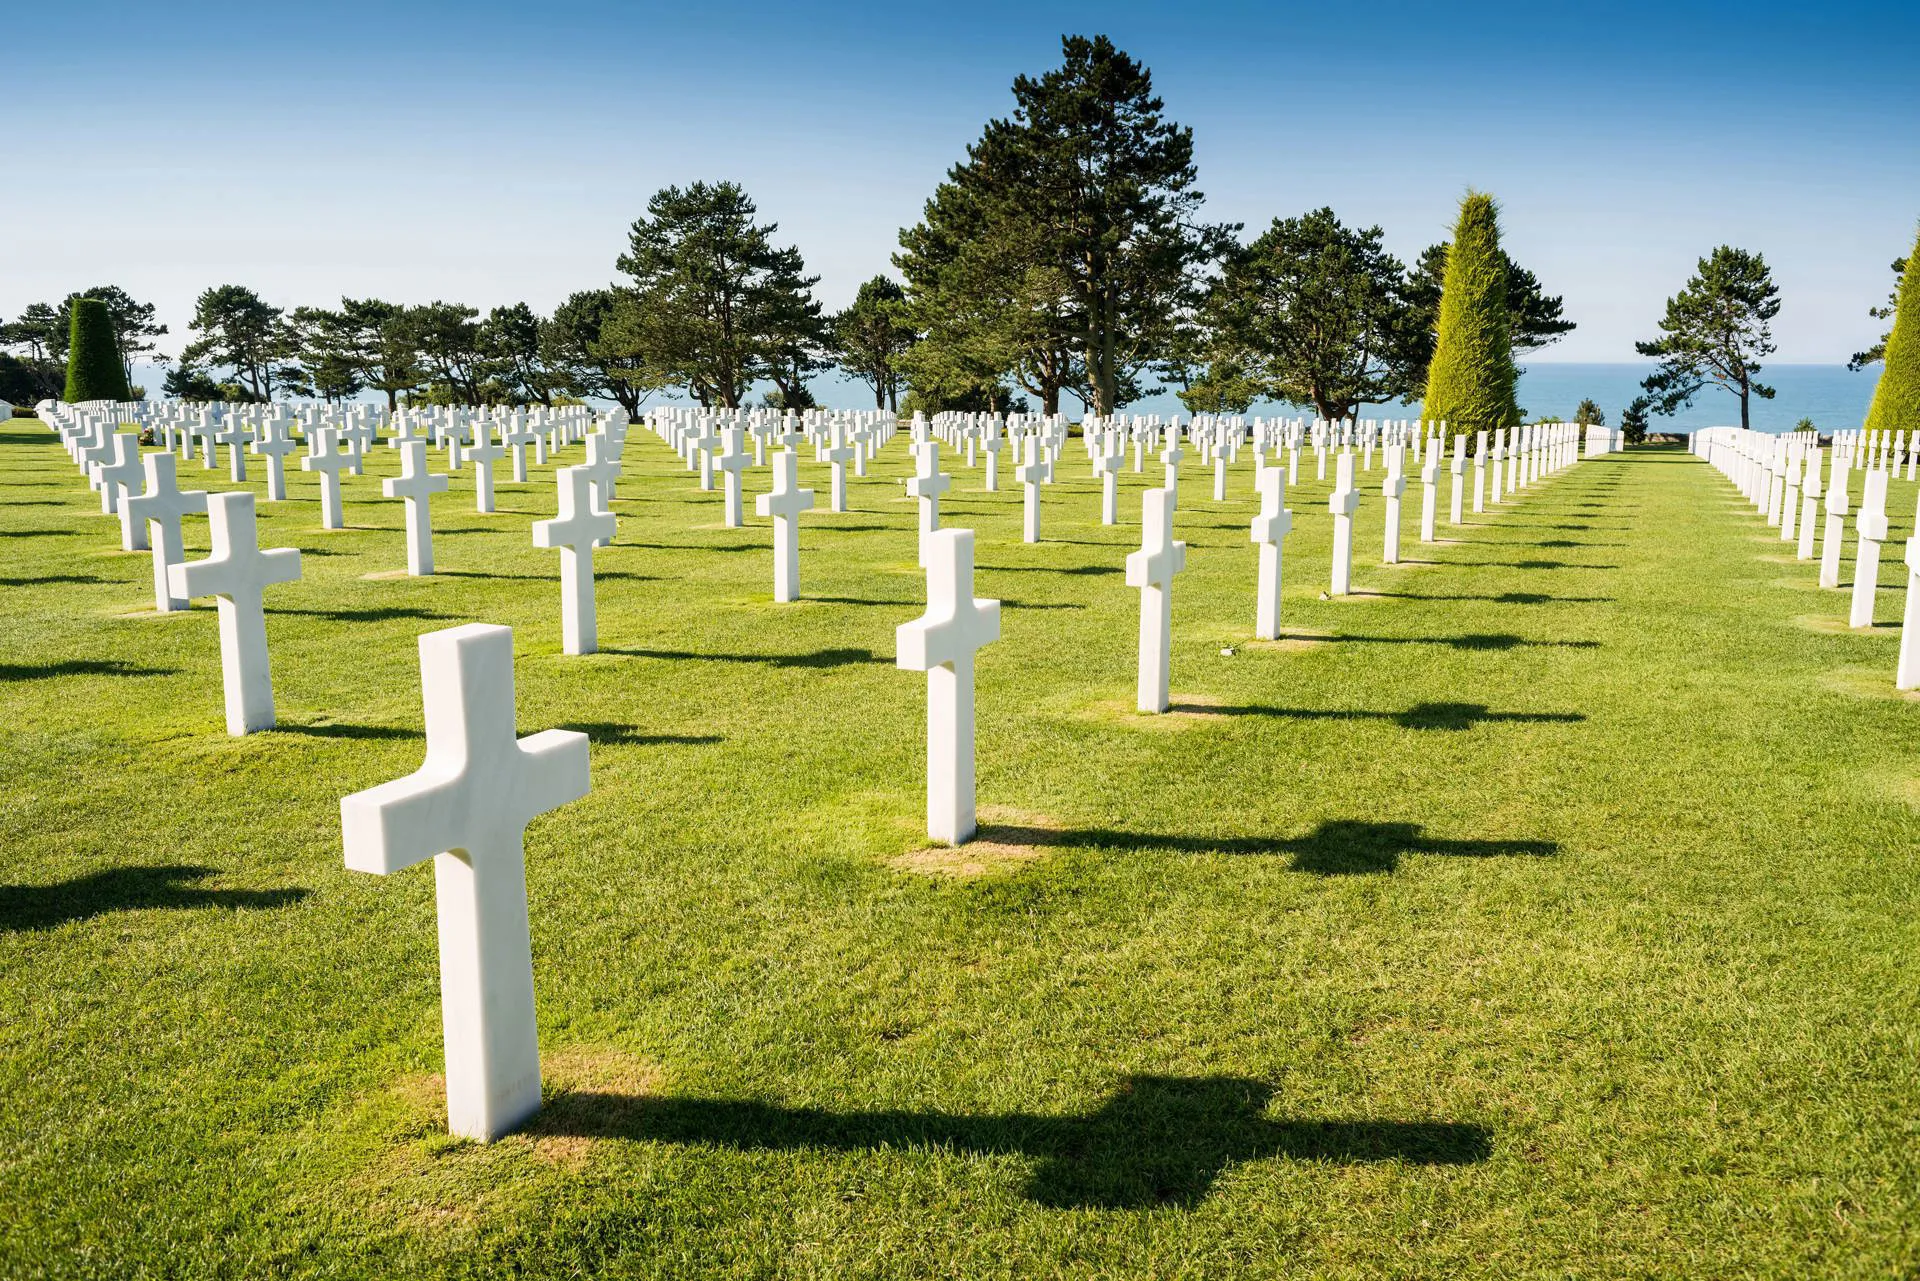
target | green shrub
[
  {"x": 1896, "y": 400},
  {"x": 94, "y": 371},
  {"x": 1472, "y": 381}
]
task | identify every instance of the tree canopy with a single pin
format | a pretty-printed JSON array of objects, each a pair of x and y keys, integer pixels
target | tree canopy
[
  {"x": 1714, "y": 333},
  {"x": 1471, "y": 379}
]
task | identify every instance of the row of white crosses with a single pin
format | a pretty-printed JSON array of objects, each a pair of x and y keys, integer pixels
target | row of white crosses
[
  {"x": 237, "y": 572},
  {"x": 1779, "y": 473}
]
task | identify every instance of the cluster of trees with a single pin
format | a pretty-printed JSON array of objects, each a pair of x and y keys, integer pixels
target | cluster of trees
[
  {"x": 1065, "y": 253},
  {"x": 34, "y": 347}
]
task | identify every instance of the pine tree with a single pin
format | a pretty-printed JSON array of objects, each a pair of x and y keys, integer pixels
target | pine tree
[
  {"x": 94, "y": 371},
  {"x": 1896, "y": 400},
  {"x": 1471, "y": 382}
]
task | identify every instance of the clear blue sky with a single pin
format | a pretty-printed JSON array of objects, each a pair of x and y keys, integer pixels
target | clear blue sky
[{"x": 491, "y": 152}]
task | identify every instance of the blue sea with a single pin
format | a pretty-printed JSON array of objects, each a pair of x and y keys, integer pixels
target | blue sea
[{"x": 1833, "y": 396}]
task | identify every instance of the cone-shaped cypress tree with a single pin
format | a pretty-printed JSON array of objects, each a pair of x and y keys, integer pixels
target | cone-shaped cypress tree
[
  {"x": 1896, "y": 400},
  {"x": 1470, "y": 382},
  {"x": 94, "y": 371}
]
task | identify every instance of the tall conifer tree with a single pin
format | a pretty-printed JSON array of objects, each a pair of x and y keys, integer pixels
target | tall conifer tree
[
  {"x": 1896, "y": 400},
  {"x": 1471, "y": 382},
  {"x": 94, "y": 371}
]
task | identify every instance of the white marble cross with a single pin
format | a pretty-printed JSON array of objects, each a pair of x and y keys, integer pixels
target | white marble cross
[
  {"x": 785, "y": 504},
  {"x": 1809, "y": 504},
  {"x": 733, "y": 461},
  {"x": 1106, "y": 464},
  {"x": 1390, "y": 490},
  {"x": 840, "y": 455},
  {"x": 238, "y": 573},
  {"x": 1343, "y": 502},
  {"x": 483, "y": 453},
  {"x": 992, "y": 443},
  {"x": 416, "y": 486},
  {"x": 1907, "y": 670},
  {"x": 603, "y": 469},
  {"x": 161, "y": 506},
  {"x": 117, "y": 477},
  {"x": 467, "y": 809},
  {"x": 1429, "y": 490},
  {"x": 1170, "y": 460},
  {"x": 1836, "y": 526},
  {"x": 1479, "y": 471},
  {"x": 576, "y": 531},
  {"x": 1459, "y": 476},
  {"x": 519, "y": 438},
  {"x": 1270, "y": 528},
  {"x": 703, "y": 446},
  {"x": 329, "y": 460},
  {"x": 1498, "y": 458},
  {"x": 1871, "y": 527},
  {"x": 1032, "y": 474},
  {"x": 1151, "y": 569},
  {"x": 234, "y": 435},
  {"x": 928, "y": 483},
  {"x": 942, "y": 643},
  {"x": 275, "y": 443}
]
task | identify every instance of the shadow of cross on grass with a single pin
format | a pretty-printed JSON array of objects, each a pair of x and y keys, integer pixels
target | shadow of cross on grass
[
  {"x": 1337, "y": 847},
  {"x": 1438, "y": 716},
  {"x": 124, "y": 889},
  {"x": 1159, "y": 1141}
]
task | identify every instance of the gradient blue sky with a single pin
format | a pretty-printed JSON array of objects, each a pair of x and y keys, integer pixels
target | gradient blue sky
[{"x": 491, "y": 153}]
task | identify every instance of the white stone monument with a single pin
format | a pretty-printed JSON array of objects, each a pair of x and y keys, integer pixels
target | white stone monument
[
  {"x": 942, "y": 643},
  {"x": 416, "y": 486},
  {"x": 329, "y": 460},
  {"x": 1270, "y": 528},
  {"x": 467, "y": 809},
  {"x": 785, "y": 504},
  {"x": 237, "y": 573},
  {"x": 161, "y": 506},
  {"x": 1151, "y": 569},
  {"x": 1343, "y": 502},
  {"x": 576, "y": 531},
  {"x": 1871, "y": 528}
]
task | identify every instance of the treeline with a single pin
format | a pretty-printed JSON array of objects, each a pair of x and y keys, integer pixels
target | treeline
[{"x": 1064, "y": 255}]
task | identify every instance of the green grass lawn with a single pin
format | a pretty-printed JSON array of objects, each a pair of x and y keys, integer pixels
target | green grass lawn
[{"x": 1547, "y": 908}]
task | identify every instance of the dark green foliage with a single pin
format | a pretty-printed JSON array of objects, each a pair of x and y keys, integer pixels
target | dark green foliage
[
  {"x": 717, "y": 304},
  {"x": 1537, "y": 319},
  {"x": 1472, "y": 377},
  {"x": 1063, "y": 250},
  {"x": 94, "y": 368},
  {"x": 241, "y": 332},
  {"x": 872, "y": 336},
  {"x": 1878, "y": 352},
  {"x": 1222, "y": 387},
  {"x": 1896, "y": 399},
  {"x": 596, "y": 346},
  {"x": 1588, "y": 414},
  {"x": 1633, "y": 421},
  {"x": 1714, "y": 332},
  {"x": 184, "y": 382},
  {"x": 1317, "y": 314}
]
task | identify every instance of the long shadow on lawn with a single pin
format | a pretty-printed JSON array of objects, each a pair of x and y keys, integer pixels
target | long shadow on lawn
[
  {"x": 1506, "y": 598},
  {"x": 47, "y": 580},
  {"x": 609, "y": 732},
  {"x": 78, "y": 667},
  {"x": 1338, "y": 847},
  {"x": 1494, "y": 641},
  {"x": 820, "y": 658},
  {"x": 124, "y": 889},
  {"x": 1438, "y": 716},
  {"x": 1159, "y": 1141},
  {"x": 377, "y": 614},
  {"x": 348, "y": 731}
]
